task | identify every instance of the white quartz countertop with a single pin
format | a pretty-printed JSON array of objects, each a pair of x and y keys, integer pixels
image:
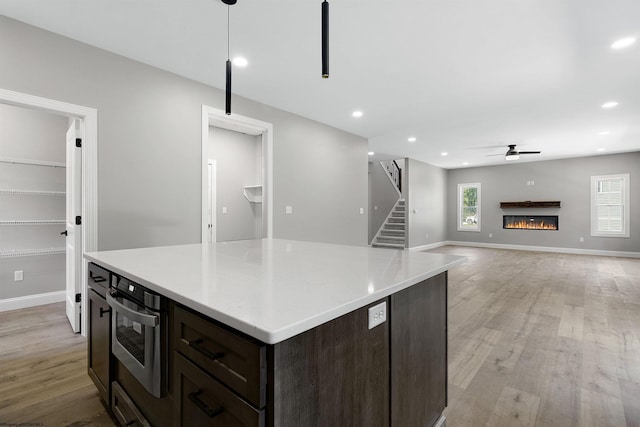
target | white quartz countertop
[{"x": 274, "y": 289}]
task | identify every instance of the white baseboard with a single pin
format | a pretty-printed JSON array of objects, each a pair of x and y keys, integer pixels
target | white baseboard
[
  {"x": 575, "y": 251},
  {"x": 31, "y": 300},
  {"x": 429, "y": 246}
]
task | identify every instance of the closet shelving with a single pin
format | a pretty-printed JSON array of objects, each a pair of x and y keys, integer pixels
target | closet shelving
[
  {"x": 11, "y": 253},
  {"x": 17, "y": 161}
]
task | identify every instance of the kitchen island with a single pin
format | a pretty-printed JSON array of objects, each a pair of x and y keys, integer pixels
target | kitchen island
[{"x": 286, "y": 333}]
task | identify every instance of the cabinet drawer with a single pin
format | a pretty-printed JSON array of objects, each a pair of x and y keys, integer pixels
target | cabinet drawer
[
  {"x": 98, "y": 279},
  {"x": 200, "y": 400},
  {"x": 237, "y": 362},
  {"x": 124, "y": 409}
]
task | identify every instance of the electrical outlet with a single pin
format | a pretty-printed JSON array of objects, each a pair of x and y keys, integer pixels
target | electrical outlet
[
  {"x": 224, "y": 210},
  {"x": 427, "y": 235},
  {"x": 377, "y": 314},
  {"x": 582, "y": 240},
  {"x": 490, "y": 235},
  {"x": 288, "y": 210},
  {"x": 18, "y": 276},
  {"x": 361, "y": 211}
]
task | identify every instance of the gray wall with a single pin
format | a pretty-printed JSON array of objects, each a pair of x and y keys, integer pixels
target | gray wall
[
  {"x": 426, "y": 203},
  {"x": 149, "y": 145},
  {"x": 567, "y": 180},
  {"x": 238, "y": 163},
  {"x": 35, "y": 135},
  {"x": 382, "y": 197}
]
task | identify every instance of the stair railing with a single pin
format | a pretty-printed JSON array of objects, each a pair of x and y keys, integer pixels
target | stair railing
[{"x": 394, "y": 172}]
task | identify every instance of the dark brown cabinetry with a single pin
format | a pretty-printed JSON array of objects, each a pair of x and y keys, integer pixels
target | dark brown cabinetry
[
  {"x": 220, "y": 375},
  {"x": 99, "y": 325},
  {"x": 340, "y": 373},
  {"x": 419, "y": 353}
]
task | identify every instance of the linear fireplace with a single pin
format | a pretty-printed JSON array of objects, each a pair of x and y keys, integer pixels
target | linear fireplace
[{"x": 530, "y": 222}]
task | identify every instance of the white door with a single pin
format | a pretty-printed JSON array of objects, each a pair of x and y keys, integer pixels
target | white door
[
  {"x": 73, "y": 227},
  {"x": 212, "y": 201}
]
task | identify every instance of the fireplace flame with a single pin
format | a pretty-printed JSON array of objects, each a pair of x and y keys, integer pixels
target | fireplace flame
[{"x": 531, "y": 225}]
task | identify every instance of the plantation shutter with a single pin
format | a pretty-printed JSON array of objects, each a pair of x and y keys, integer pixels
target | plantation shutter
[{"x": 610, "y": 205}]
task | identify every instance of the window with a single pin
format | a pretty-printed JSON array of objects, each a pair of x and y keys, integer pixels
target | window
[
  {"x": 469, "y": 207},
  {"x": 610, "y": 205}
]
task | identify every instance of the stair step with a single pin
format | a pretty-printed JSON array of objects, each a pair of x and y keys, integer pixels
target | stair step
[
  {"x": 393, "y": 220},
  {"x": 397, "y": 214},
  {"x": 387, "y": 245},
  {"x": 392, "y": 226},
  {"x": 390, "y": 239},
  {"x": 397, "y": 233}
]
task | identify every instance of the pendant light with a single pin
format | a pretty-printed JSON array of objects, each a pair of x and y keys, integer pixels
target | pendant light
[
  {"x": 227, "y": 104},
  {"x": 325, "y": 39}
]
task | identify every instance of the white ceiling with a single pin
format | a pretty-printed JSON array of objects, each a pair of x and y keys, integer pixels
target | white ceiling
[{"x": 465, "y": 77}]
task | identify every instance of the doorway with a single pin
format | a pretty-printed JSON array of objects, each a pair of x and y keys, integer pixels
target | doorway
[
  {"x": 257, "y": 196},
  {"x": 84, "y": 119}
]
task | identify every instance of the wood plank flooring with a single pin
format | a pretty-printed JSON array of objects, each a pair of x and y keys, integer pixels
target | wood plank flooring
[
  {"x": 535, "y": 339},
  {"x": 43, "y": 371},
  {"x": 543, "y": 339}
]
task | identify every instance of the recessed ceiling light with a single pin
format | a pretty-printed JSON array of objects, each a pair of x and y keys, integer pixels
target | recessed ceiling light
[
  {"x": 444, "y": 153},
  {"x": 622, "y": 43},
  {"x": 240, "y": 61},
  {"x": 465, "y": 163},
  {"x": 371, "y": 153},
  {"x": 600, "y": 149},
  {"x": 604, "y": 132},
  {"x": 411, "y": 139},
  {"x": 357, "y": 113},
  {"x": 610, "y": 104}
]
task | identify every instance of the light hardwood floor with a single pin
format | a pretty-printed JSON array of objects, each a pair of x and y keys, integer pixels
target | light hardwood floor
[
  {"x": 535, "y": 339},
  {"x": 543, "y": 339},
  {"x": 43, "y": 371}
]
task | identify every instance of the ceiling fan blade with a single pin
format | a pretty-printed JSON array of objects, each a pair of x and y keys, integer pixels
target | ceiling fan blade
[
  {"x": 529, "y": 152},
  {"x": 491, "y": 155}
]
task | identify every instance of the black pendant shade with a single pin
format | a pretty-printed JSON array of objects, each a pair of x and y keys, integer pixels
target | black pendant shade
[
  {"x": 227, "y": 104},
  {"x": 325, "y": 39}
]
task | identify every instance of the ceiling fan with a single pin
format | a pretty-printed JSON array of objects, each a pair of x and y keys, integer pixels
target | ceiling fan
[{"x": 513, "y": 154}]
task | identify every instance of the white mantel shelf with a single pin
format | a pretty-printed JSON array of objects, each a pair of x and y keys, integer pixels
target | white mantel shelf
[{"x": 274, "y": 289}]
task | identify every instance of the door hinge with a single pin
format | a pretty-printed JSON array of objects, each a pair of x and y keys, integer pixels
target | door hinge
[
  {"x": 78, "y": 220},
  {"x": 79, "y": 142},
  {"x": 78, "y": 297}
]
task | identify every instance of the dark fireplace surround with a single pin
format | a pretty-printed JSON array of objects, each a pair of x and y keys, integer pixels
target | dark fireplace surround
[{"x": 530, "y": 222}]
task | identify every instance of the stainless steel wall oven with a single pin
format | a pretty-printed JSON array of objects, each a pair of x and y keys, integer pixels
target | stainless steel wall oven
[{"x": 139, "y": 333}]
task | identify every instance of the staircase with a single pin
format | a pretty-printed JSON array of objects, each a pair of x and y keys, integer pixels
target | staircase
[{"x": 392, "y": 233}]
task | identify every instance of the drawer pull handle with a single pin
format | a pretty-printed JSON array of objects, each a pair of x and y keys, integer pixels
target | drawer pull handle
[
  {"x": 193, "y": 396},
  {"x": 103, "y": 311},
  {"x": 195, "y": 344},
  {"x": 98, "y": 279}
]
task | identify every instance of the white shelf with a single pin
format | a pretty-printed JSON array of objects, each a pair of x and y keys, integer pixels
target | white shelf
[
  {"x": 12, "y": 253},
  {"x": 32, "y": 221},
  {"x": 33, "y": 193},
  {"x": 253, "y": 193},
  {"x": 32, "y": 162}
]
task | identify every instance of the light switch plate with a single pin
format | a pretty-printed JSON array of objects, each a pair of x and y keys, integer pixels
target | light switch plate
[
  {"x": 377, "y": 314},
  {"x": 288, "y": 210},
  {"x": 18, "y": 276}
]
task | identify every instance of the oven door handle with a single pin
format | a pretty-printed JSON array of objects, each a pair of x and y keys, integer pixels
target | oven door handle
[{"x": 144, "y": 319}]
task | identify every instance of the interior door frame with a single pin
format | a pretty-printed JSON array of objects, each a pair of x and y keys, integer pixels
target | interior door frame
[
  {"x": 89, "y": 117},
  {"x": 235, "y": 122},
  {"x": 212, "y": 199}
]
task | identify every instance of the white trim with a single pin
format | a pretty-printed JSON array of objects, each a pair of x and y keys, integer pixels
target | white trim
[
  {"x": 477, "y": 185},
  {"x": 89, "y": 125},
  {"x": 626, "y": 196},
  {"x": 216, "y": 117},
  {"x": 574, "y": 251},
  {"x": 428, "y": 247},
  {"x": 32, "y": 300}
]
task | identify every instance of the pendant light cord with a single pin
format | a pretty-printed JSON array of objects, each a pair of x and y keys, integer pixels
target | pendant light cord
[{"x": 228, "y": 33}]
